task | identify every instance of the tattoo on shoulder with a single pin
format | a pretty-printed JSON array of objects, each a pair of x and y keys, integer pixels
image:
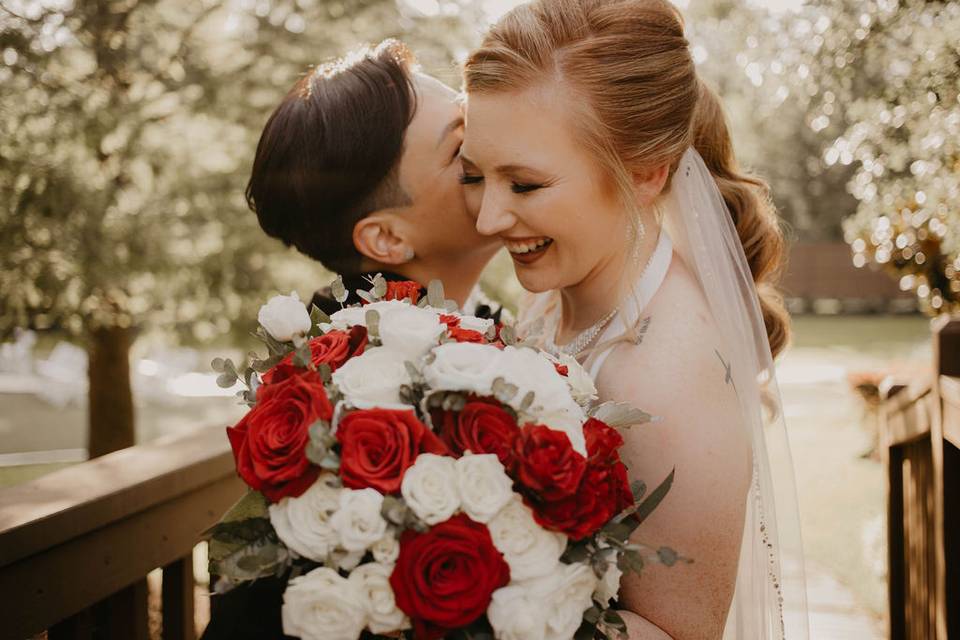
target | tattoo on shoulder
[
  {"x": 642, "y": 331},
  {"x": 728, "y": 371}
]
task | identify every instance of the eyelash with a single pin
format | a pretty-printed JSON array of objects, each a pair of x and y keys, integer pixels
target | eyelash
[{"x": 516, "y": 187}]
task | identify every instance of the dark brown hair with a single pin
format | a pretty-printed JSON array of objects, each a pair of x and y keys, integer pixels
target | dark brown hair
[{"x": 329, "y": 155}]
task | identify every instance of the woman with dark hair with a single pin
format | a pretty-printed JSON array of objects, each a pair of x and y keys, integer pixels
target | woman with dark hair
[{"x": 358, "y": 169}]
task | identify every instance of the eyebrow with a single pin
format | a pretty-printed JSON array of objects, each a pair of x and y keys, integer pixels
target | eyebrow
[
  {"x": 504, "y": 168},
  {"x": 451, "y": 126}
]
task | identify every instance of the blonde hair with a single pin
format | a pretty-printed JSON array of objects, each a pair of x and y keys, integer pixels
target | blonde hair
[{"x": 639, "y": 104}]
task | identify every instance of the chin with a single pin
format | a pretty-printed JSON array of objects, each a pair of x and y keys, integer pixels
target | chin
[{"x": 536, "y": 282}]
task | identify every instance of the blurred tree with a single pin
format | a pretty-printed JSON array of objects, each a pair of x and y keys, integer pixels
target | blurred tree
[
  {"x": 125, "y": 139},
  {"x": 741, "y": 49},
  {"x": 879, "y": 80}
]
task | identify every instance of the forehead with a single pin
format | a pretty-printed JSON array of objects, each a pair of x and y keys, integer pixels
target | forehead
[
  {"x": 437, "y": 104},
  {"x": 534, "y": 125}
]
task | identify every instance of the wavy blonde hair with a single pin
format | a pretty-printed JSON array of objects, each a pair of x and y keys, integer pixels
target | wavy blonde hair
[{"x": 639, "y": 105}]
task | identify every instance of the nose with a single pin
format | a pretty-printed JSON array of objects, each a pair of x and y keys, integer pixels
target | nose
[{"x": 493, "y": 218}]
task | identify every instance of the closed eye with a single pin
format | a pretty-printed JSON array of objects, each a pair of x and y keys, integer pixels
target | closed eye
[
  {"x": 467, "y": 179},
  {"x": 518, "y": 187}
]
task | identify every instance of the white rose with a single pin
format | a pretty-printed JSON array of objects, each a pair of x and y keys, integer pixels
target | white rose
[
  {"x": 464, "y": 366},
  {"x": 517, "y": 613},
  {"x": 473, "y": 323},
  {"x": 553, "y": 403},
  {"x": 358, "y": 521},
  {"x": 322, "y": 605},
  {"x": 284, "y": 317},
  {"x": 429, "y": 488},
  {"x": 483, "y": 485},
  {"x": 386, "y": 549},
  {"x": 581, "y": 384},
  {"x": 372, "y": 580},
  {"x": 357, "y": 316},
  {"x": 530, "y": 550},
  {"x": 303, "y": 523},
  {"x": 373, "y": 378},
  {"x": 567, "y": 593},
  {"x": 411, "y": 331}
]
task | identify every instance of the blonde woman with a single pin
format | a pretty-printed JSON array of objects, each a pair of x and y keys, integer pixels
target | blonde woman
[{"x": 603, "y": 163}]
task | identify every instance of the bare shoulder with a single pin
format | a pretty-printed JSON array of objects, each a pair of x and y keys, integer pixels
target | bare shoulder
[
  {"x": 678, "y": 372},
  {"x": 679, "y": 337}
]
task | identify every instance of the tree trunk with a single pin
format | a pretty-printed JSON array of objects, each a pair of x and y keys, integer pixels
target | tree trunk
[{"x": 110, "y": 400}]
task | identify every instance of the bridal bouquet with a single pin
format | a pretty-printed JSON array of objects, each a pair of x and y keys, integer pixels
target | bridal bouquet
[{"x": 414, "y": 468}]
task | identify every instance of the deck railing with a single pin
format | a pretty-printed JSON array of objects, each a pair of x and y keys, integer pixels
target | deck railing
[
  {"x": 920, "y": 440},
  {"x": 76, "y": 545}
]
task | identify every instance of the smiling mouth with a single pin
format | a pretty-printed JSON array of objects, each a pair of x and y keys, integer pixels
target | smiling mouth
[
  {"x": 527, "y": 247},
  {"x": 526, "y": 252}
]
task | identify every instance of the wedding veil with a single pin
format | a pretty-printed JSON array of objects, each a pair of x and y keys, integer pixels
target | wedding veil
[{"x": 770, "y": 597}]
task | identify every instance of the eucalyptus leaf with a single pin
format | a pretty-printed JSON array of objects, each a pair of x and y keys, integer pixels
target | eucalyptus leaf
[
  {"x": 617, "y": 414},
  {"x": 318, "y": 316},
  {"x": 586, "y": 631},
  {"x": 303, "y": 357},
  {"x": 379, "y": 286},
  {"x": 592, "y": 615},
  {"x": 372, "y": 318},
  {"x": 527, "y": 401},
  {"x": 217, "y": 365},
  {"x": 338, "y": 290},
  {"x": 638, "y": 488},
  {"x": 508, "y": 335},
  {"x": 655, "y": 498},
  {"x": 326, "y": 373},
  {"x": 365, "y": 296},
  {"x": 667, "y": 556},
  {"x": 435, "y": 297},
  {"x": 226, "y": 380}
]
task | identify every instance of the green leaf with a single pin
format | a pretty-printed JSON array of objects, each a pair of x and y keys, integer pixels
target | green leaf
[
  {"x": 631, "y": 561},
  {"x": 651, "y": 503},
  {"x": 226, "y": 380},
  {"x": 303, "y": 357},
  {"x": 667, "y": 556},
  {"x": 508, "y": 335},
  {"x": 585, "y": 632},
  {"x": 527, "y": 401},
  {"x": 435, "y": 296},
  {"x": 617, "y": 414},
  {"x": 365, "y": 296},
  {"x": 338, "y": 290},
  {"x": 638, "y": 488},
  {"x": 217, "y": 365},
  {"x": 619, "y": 531},
  {"x": 372, "y": 318},
  {"x": 317, "y": 317},
  {"x": 504, "y": 391},
  {"x": 326, "y": 373},
  {"x": 379, "y": 286},
  {"x": 611, "y": 618}
]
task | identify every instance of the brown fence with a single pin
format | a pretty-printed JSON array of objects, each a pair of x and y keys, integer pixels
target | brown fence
[
  {"x": 920, "y": 438},
  {"x": 818, "y": 270},
  {"x": 76, "y": 545}
]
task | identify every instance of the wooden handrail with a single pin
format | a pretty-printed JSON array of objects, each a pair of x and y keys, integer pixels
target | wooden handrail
[{"x": 81, "y": 534}]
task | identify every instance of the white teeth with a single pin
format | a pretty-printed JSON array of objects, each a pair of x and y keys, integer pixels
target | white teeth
[{"x": 526, "y": 247}]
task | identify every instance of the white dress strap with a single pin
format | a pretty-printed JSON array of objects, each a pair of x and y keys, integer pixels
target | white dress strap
[{"x": 646, "y": 287}]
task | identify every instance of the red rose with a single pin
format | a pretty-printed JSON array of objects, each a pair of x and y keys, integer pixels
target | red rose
[
  {"x": 444, "y": 578},
  {"x": 379, "y": 445},
  {"x": 603, "y": 442},
  {"x": 603, "y": 493},
  {"x": 562, "y": 369},
  {"x": 482, "y": 426},
  {"x": 450, "y": 320},
  {"x": 547, "y": 466},
  {"x": 400, "y": 290},
  {"x": 269, "y": 443},
  {"x": 332, "y": 349},
  {"x": 466, "y": 335}
]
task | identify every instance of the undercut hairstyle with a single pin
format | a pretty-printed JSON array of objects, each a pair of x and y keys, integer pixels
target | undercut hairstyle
[{"x": 330, "y": 153}]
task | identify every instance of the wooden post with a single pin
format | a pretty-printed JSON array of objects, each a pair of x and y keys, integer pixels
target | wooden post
[
  {"x": 946, "y": 346},
  {"x": 110, "y": 396},
  {"x": 177, "y": 600}
]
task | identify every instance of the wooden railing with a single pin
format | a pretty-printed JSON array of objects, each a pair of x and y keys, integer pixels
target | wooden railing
[
  {"x": 76, "y": 545},
  {"x": 920, "y": 440}
]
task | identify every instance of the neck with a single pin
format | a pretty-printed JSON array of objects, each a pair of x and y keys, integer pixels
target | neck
[{"x": 601, "y": 292}]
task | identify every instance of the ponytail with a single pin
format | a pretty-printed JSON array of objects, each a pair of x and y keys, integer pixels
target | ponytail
[{"x": 754, "y": 216}]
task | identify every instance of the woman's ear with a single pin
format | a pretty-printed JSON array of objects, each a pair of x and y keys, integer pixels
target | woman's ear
[
  {"x": 648, "y": 184},
  {"x": 376, "y": 238}
]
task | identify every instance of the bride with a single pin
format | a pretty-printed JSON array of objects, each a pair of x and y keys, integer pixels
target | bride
[{"x": 604, "y": 164}]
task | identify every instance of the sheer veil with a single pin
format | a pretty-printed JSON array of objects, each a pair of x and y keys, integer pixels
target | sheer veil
[{"x": 770, "y": 596}]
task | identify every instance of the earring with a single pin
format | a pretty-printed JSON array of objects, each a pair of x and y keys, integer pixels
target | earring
[{"x": 409, "y": 255}]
